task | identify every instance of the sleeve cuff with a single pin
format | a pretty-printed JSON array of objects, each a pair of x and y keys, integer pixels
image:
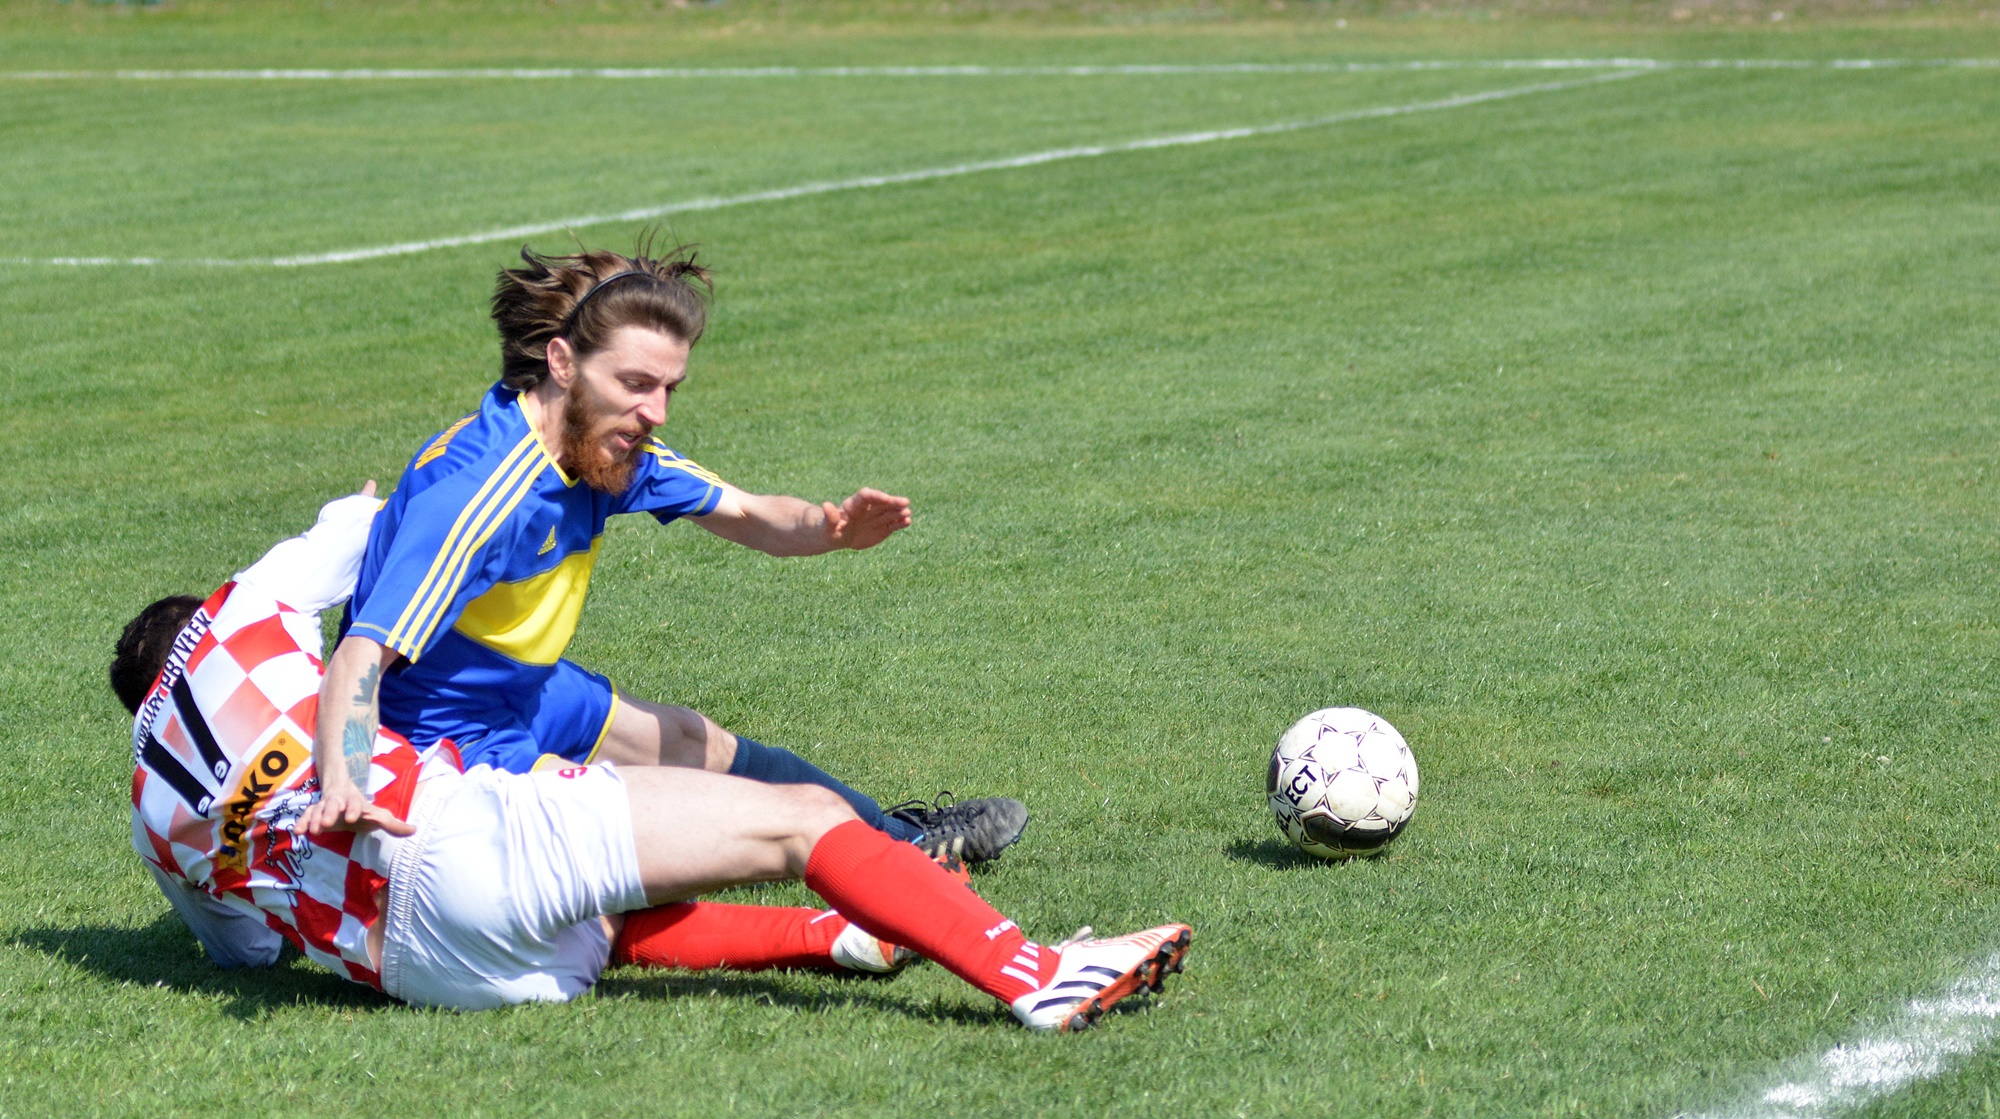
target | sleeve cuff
[
  {"x": 380, "y": 636},
  {"x": 707, "y": 505}
]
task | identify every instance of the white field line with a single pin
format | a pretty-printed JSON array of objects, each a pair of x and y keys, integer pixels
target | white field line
[
  {"x": 645, "y": 72},
  {"x": 779, "y": 194},
  {"x": 1920, "y": 1043}
]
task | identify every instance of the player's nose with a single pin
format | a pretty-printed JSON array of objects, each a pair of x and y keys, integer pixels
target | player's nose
[{"x": 653, "y": 408}]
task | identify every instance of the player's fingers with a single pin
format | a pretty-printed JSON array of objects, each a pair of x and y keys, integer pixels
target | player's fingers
[
  {"x": 394, "y": 826},
  {"x": 876, "y": 499},
  {"x": 368, "y": 488}
]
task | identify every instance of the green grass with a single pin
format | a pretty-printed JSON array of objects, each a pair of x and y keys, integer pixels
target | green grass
[{"x": 1632, "y": 449}]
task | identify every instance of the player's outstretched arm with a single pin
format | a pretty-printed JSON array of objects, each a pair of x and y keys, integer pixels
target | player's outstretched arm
[
  {"x": 787, "y": 526},
  {"x": 344, "y": 739}
]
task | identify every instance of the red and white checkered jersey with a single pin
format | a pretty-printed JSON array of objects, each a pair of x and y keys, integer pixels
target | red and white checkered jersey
[{"x": 223, "y": 768}]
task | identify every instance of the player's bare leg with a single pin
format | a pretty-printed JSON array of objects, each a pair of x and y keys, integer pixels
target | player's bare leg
[
  {"x": 698, "y": 832},
  {"x": 646, "y": 733},
  {"x": 677, "y": 862}
]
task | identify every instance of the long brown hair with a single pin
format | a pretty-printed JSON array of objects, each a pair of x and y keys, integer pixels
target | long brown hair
[{"x": 587, "y": 296}]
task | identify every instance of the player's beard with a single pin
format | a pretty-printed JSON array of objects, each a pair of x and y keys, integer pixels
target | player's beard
[{"x": 588, "y": 452}]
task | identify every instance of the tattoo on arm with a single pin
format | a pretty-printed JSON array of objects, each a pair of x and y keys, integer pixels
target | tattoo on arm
[
  {"x": 357, "y": 742},
  {"x": 357, "y": 746},
  {"x": 369, "y": 678}
]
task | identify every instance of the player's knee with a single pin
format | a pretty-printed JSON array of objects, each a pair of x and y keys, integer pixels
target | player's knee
[
  {"x": 812, "y": 811},
  {"x": 683, "y": 738},
  {"x": 821, "y": 809},
  {"x": 687, "y": 723}
]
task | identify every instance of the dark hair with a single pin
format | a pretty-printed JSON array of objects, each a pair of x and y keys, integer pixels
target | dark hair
[
  {"x": 585, "y": 297},
  {"x": 143, "y": 647}
]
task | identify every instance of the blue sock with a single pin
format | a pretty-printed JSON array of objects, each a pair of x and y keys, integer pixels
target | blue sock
[{"x": 775, "y": 766}]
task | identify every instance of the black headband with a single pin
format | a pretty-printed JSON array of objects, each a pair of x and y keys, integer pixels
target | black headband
[{"x": 569, "y": 320}]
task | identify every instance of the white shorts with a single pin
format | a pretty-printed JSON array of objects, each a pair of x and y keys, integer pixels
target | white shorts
[{"x": 496, "y": 898}]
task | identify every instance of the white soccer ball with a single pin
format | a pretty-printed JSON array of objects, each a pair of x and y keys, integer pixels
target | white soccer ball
[{"x": 1342, "y": 783}]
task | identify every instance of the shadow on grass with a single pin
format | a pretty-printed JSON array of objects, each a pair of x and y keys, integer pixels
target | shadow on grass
[
  {"x": 1274, "y": 853},
  {"x": 163, "y": 954},
  {"x": 778, "y": 988}
]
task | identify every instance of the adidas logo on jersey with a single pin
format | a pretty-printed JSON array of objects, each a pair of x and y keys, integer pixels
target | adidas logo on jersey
[{"x": 548, "y": 545}]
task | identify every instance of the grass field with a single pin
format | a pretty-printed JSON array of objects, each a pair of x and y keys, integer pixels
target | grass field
[{"x": 1630, "y": 446}]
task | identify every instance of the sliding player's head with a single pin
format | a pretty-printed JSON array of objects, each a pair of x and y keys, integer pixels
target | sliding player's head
[
  {"x": 143, "y": 647},
  {"x": 607, "y": 336}
]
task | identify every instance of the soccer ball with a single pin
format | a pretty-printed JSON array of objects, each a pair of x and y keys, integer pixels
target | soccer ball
[{"x": 1342, "y": 783}]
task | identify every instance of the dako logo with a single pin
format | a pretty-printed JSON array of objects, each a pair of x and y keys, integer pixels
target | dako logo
[{"x": 267, "y": 772}]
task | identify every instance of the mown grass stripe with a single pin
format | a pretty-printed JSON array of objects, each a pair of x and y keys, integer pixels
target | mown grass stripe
[
  {"x": 865, "y": 182},
  {"x": 548, "y": 73}
]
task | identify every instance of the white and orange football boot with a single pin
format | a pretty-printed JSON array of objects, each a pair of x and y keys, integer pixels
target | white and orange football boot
[
  {"x": 1092, "y": 975},
  {"x": 856, "y": 949}
]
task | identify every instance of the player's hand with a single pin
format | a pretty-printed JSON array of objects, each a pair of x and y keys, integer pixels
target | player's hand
[
  {"x": 349, "y": 809},
  {"x": 866, "y": 519},
  {"x": 368, "y": 488}
]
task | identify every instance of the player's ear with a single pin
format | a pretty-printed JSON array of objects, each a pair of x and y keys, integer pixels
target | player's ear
[{"x": 562, "y": 362}]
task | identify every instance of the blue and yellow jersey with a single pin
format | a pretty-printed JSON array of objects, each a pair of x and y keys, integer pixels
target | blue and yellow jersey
[{"x": 477, "y": 565}]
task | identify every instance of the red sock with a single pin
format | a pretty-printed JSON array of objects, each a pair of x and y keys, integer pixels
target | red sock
[
  {"x": 896, "y": 893},
  {"x": 702, "y": 935}
]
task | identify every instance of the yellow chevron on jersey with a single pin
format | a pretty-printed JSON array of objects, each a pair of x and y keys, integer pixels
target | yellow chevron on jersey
[
  {"x": 531, "y": 620},
  {"x": 502, "y": 491},
  {"x": 548, "y": 545},
  {"x": 671, "y": 459},
  {"x": 438, "y": 445}
]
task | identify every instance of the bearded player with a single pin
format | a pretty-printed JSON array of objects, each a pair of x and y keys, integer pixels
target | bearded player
[
  {"x": 476, "y": 570},
  {"x": 481, "y": 888}
]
